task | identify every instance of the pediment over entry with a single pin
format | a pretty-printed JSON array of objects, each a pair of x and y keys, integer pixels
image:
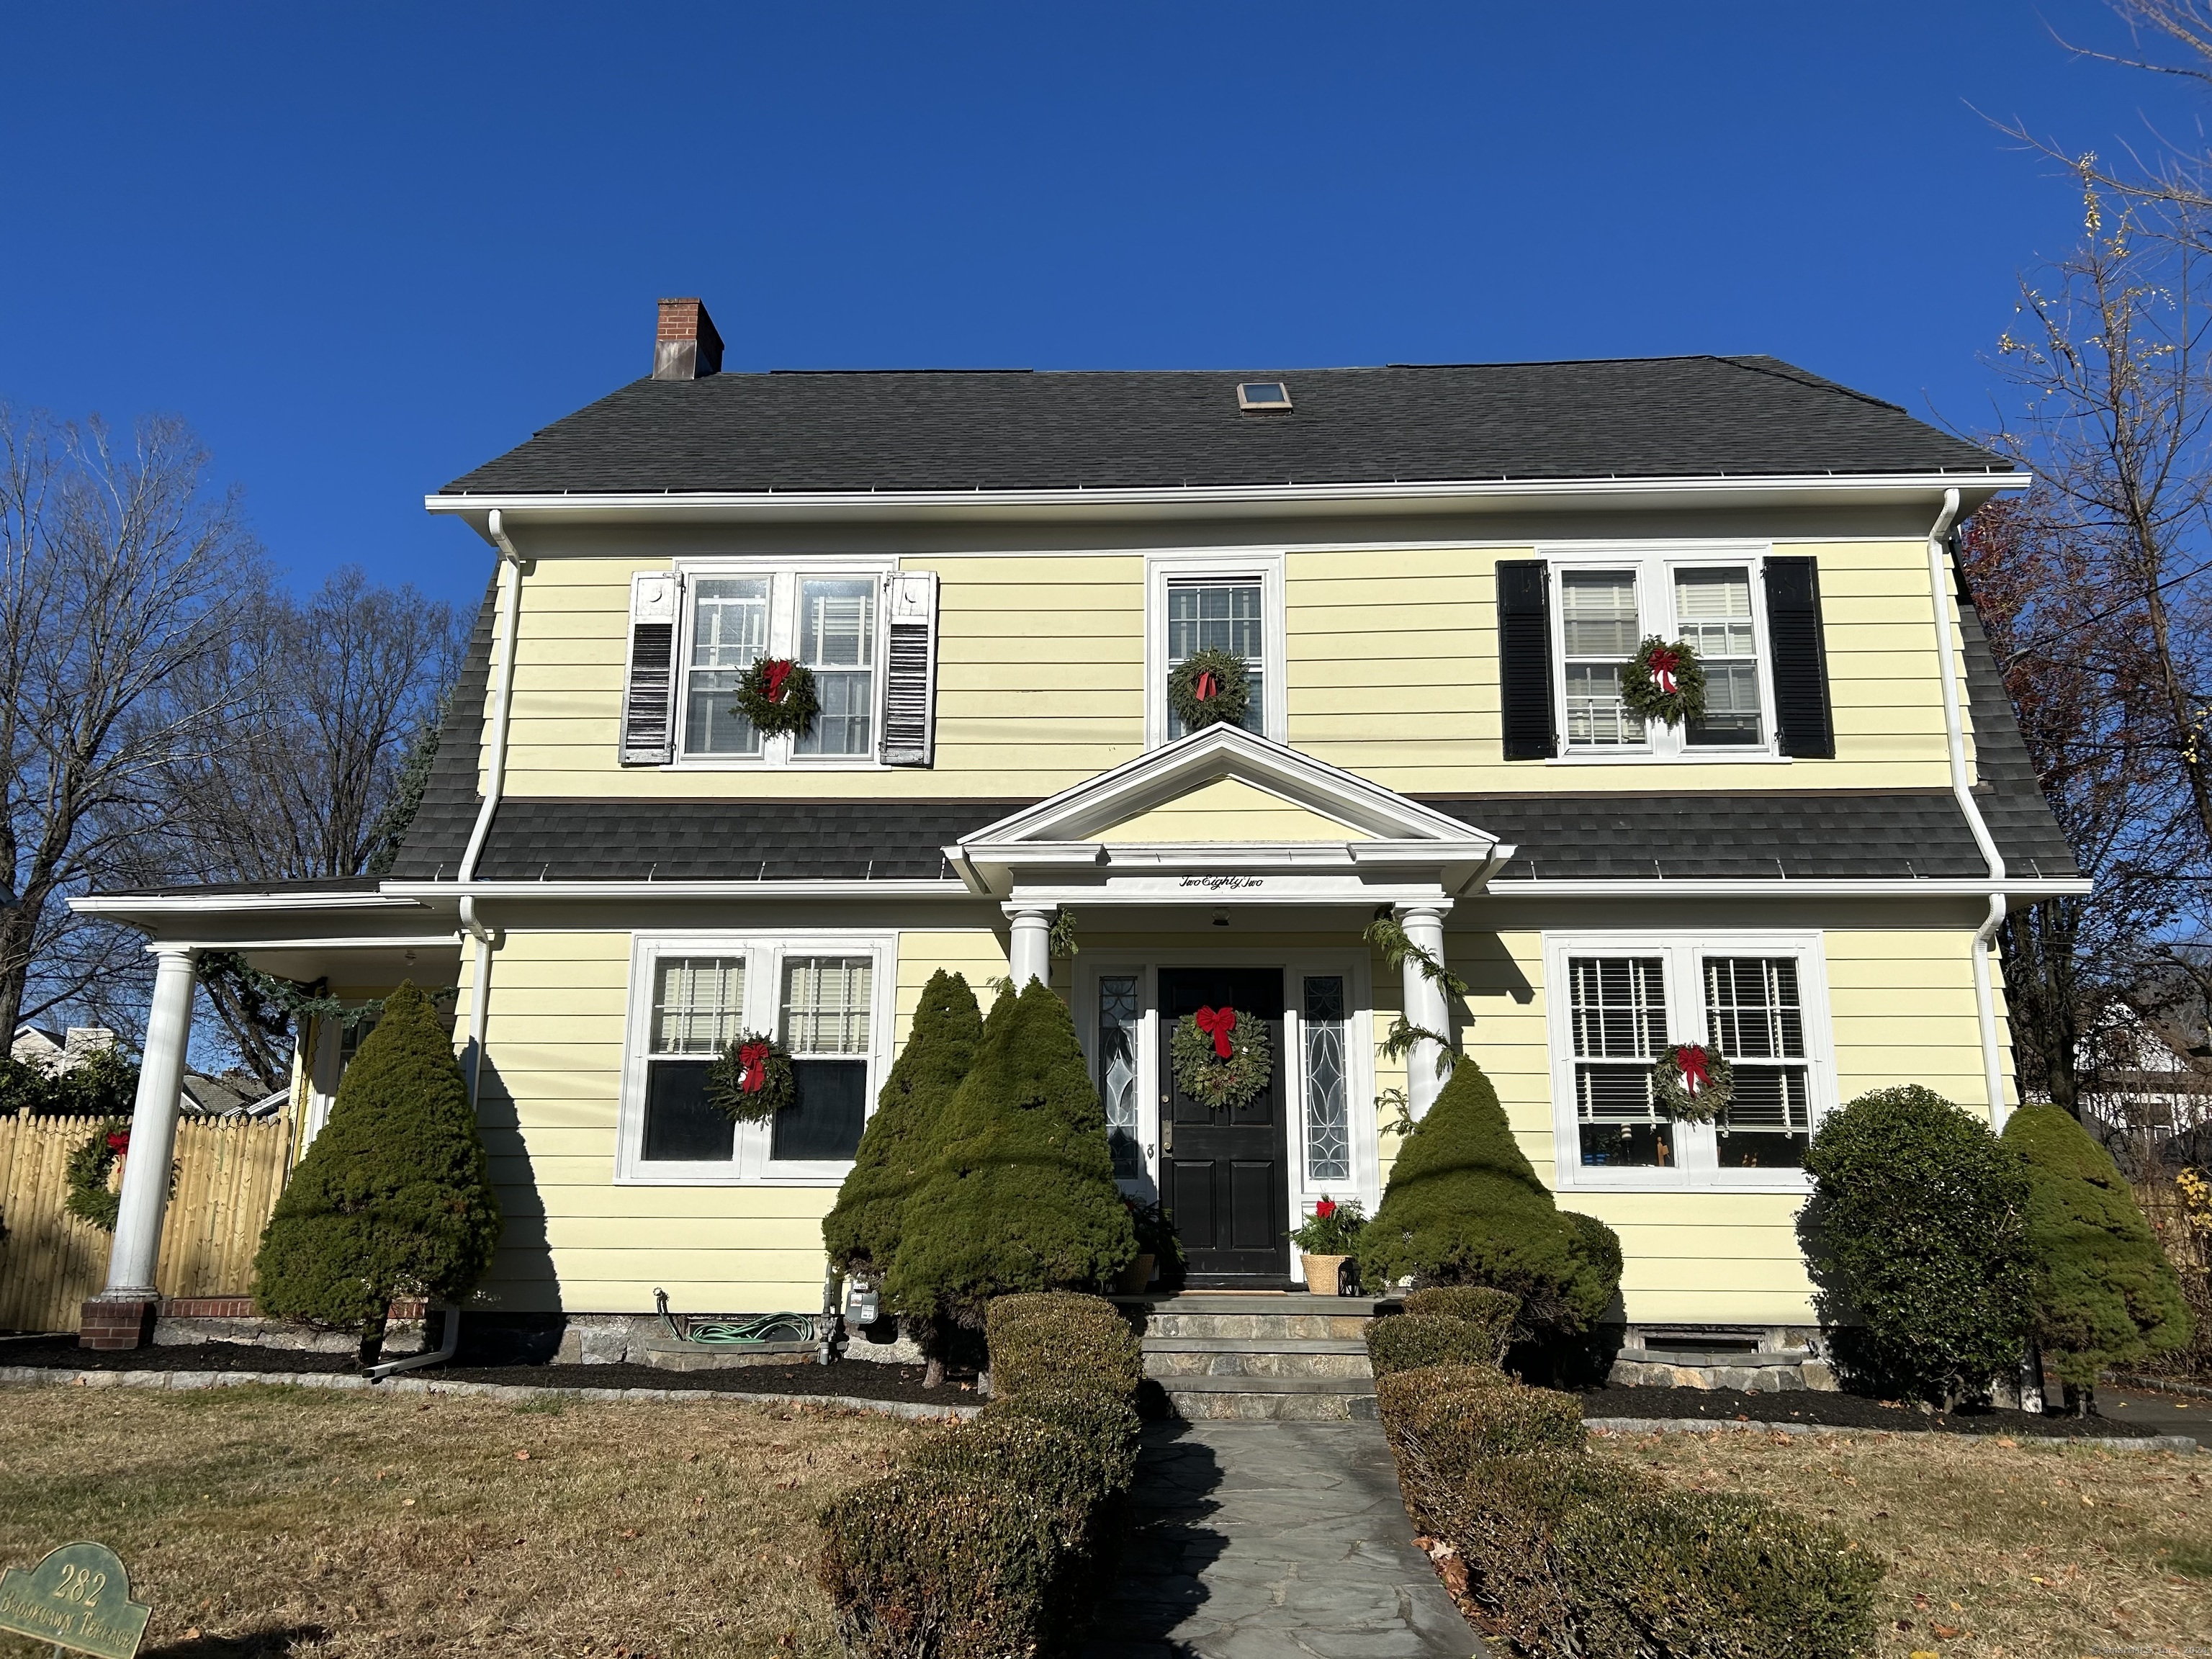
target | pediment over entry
[{"x": 1225, "y": 801}]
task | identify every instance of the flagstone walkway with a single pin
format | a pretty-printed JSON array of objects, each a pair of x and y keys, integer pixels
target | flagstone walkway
[{"x": 1256, "y": 1540}]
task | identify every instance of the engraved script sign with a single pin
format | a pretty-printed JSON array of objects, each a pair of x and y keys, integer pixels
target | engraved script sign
[{"x": 79, "y": 1599}]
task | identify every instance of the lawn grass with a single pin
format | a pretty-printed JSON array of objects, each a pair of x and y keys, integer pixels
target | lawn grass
[
  {"x": 1995, "y": 1551},
  {"x": 267, "y": 1521}
]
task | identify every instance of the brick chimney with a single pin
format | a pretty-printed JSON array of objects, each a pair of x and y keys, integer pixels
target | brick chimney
[{"x": 686, "y": 347}]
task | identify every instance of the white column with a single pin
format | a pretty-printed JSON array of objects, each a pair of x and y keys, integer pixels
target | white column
[
  {"x": 1031, "y": 957},
  {"x": 152, "y": 1130},
  {"x": 1424, "y": 1004}
]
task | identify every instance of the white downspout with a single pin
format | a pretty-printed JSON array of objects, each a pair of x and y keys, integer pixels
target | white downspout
[{"x": 1962, "y": 787}]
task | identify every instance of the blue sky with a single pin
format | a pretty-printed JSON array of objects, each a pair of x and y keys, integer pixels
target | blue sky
[{"x": 363, "y": 249}]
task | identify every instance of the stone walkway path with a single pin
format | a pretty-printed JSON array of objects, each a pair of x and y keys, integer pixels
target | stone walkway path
[{"x": 1258, "y": 1540}]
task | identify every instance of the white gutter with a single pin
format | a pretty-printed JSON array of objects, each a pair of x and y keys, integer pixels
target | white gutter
[
  {"x": 1777, "y": 887},
  {"x": 1962, "y": 786},
  {"x": 510, "y": 577}
]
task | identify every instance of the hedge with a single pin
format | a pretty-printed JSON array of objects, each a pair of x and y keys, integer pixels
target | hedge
[
  {"x": 1409, "y": 1341},
  {"x": 952, "y": 1566},
  {"x": 1443, "y": 1420},
  {"x": 1105, "y": 1423},
  {"x": 1049, "y": 1462},
  {"x": 1495, "y": 1311},
  {"x": 1042, "y": 1336}
]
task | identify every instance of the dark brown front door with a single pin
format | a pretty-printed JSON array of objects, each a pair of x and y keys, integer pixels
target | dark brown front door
[{"x": 1222, "y": 1168}]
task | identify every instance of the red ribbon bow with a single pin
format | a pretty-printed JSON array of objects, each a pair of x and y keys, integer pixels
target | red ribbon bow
[
  {"x": 1326, "y": 1208},
  {"x": 1218, "y": 1023},
  {"x": 1663, "y": 662},
  {"x": 752, "y": 1067},
  {"x": 779, "y": 671},
  {"x": 119, "y": 1142},
  {"x": 1207, "y": 687},
  {"x": 1696, "y": 1072}
]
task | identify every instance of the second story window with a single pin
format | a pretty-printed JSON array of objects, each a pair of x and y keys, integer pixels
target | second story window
[
  {"x": 1598, "y": 629},
  {"x": 831, "y": 622},
  {"x": 1227, "y": 615},
  {"x": 1712, "y": 614},
  {"x": 837, "y": 640}
]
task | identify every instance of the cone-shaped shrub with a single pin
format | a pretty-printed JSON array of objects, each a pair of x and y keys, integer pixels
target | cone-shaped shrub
[
  {"x": 1916, "y": 1241},
  {"x": 1464, "y": 1207},
  {"x": 2104, "y": 1293},
  {"x": 393, "y": 1197},
  {"x": 861, "y": 1233},
  {"x": 1022, "y": 1196}
]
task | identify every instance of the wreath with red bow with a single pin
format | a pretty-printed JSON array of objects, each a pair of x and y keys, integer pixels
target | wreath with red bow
[
  {"x": 1211, "y": 687},
  {"x": 1664, "y": 682},
  {"x": 1221, "y": 1057},
  {"x": 750, "y": 1079},
  {"x": 777, "y": 696},
  {"x": 90, "y": 1198},
  {"x": 1692, "y": 1083}
]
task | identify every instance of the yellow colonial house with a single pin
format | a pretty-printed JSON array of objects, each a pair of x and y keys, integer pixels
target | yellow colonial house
[{"x": 1435, "y": 577}]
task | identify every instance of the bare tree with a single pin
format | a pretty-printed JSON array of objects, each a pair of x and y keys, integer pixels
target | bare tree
[{"x": 124, "y": 573}]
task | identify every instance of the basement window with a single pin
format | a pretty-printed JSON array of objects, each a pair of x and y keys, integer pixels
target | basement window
[{"x": 1264, "y": 395}]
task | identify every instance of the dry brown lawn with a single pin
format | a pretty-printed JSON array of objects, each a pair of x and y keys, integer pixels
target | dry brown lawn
[
  {"x": 276, "y": 1521},
  {"x": 1995, "y": 1551}
]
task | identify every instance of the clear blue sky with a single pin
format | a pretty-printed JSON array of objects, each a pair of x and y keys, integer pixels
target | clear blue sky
[{"x": 364, "y": 248}]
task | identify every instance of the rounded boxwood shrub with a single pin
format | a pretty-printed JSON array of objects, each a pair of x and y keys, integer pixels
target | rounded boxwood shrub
[
  {"x": 1021, "y": 1197},
  {"x": 1105, "y": 1423},
  {"x": 393, "y": 1197},
  {"x": 1042, "y": 1459},
  {"x": 1409, "y": 1341},
  {"x": 861, "y": 1232},
  {"x": 1495, "y": 1311},
  {"x": 1441, "y": 1421},
  {"x": 1463, "y": 1207},
  {"x": 1916, "y": 1239},
  {"x": 2104, "y": 1293},
  {"x": 1043, "y": 1337}
]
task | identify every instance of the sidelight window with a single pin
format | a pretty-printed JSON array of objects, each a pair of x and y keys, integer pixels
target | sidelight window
[
  {"x": 1327, "y": 1112},
  {"x": 1119, "y": 1016}
]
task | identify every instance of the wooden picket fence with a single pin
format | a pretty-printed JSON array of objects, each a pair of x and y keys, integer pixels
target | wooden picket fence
[{"x": 229, "y": 1172}]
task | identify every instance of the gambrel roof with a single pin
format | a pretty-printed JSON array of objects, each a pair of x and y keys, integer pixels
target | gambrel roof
[{"x": 968, "y": 430}]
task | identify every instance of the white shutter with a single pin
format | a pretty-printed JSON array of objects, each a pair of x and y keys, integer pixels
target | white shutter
[
  {"x": 910, "y": 670},
  {"x": 649, "y": 733}
]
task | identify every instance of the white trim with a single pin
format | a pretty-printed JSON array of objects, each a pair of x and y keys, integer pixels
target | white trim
[
  {"x": 1163, "y": 570},
  {"x": 1784, "y": 887},
  {"x": 764, "y": 952},
  {"x": 1695, "y": 1169},
  {"x": 112, "y": 904}
]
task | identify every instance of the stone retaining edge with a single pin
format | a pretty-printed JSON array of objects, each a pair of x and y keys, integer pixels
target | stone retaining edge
[
  {"x": 2174, "y": 1443},
  {"x": 55, "y": 1377}
]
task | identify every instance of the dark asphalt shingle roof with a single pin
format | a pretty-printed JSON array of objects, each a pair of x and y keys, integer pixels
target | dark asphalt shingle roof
[{"x": 962, "y": 430}]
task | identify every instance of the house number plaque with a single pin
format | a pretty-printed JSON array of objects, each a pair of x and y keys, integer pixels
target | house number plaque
[{"x": 79, "y": 1599}]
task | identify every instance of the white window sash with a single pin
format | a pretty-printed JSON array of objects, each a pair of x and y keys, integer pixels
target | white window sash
[{"x": 1163, "y": 570}]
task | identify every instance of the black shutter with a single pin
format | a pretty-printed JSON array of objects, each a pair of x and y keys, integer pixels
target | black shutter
[
  {"x": 1801, "y": 658},
  {"x": 1524, "y": 659},
  {"x": 649, "y": 686}
]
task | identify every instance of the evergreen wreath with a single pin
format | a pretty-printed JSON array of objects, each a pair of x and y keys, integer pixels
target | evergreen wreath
[
  {"x": 1211, "y": 687},
  {"x": 1692, "y": 1083},
  {"x": 87, "y": 1171},
  {"x": 777, "y": 696},
  {"x": 751, "y": 1080},
  {"x": 1664, "y": 682},
  {"x": 1221, "y": 1056}
]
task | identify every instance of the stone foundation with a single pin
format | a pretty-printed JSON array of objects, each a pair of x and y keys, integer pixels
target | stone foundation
[
  {"x": 1754, "y": 1360},
  {"x": 185, "y": 1321}
]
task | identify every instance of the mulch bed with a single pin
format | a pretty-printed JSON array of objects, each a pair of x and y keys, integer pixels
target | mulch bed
[
  {"x": 856, "y": 1379},
  {"x": 1843, "y": 1411}
]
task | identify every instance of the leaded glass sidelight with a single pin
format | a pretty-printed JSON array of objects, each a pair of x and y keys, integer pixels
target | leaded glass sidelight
[
  {"x": 1328, "y": 1119},
  {"x": 1118, "y": 1018}
]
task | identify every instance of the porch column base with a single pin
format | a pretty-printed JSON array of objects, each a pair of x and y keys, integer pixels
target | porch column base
[{"x": 115, "y": 1323}]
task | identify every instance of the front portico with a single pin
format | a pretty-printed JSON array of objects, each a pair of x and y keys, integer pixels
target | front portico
[{"x": 1228, "y": 867}]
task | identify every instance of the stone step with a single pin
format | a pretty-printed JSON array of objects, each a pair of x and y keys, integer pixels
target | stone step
[
  {"x": 1283, "y": 1358},
  {"x": 1182, "y": 1324},
  {"x": 1300, "y": 1399}
]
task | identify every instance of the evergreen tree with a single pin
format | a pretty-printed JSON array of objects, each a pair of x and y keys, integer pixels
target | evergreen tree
[
  {"x": 1021, "y": 1197},
  {"x": 394, "y": 1197},
  {"x": 2104, "y": 1293},
  {"x": 1464, "y": 1207}
]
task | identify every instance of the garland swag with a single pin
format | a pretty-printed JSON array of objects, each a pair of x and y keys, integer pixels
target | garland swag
[
  {"x": 752, "y": 1080},
  {"x": 1221, "y": 1057},
  {"x": 1664, "y": 682},
  {"x": 777, "y": 696},
  {"x": 1692, "y": 1083},
  {"x": 1211, "y": 687}
]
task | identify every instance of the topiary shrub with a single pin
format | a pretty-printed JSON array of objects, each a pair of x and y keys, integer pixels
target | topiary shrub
[
  {"x": 1105, "y": 1423},
  {"x": 394, "y": 1197},
  {"x": 1495, "y": 1311},
  {"x": 1463, "y": 1207},
  {"x": 2104, "y": 1293},
  {"x": 1045, "y": 1337},
  {"x": 1022, "y": 1196},
  {"x": 1042, "y": 1459},
  {"x": 1916, "y": 1239},
  {"x": 1409, "y": 1341},
  {"x": 952, "y": 1566},
  {"x": 1442, "y": 1420}
]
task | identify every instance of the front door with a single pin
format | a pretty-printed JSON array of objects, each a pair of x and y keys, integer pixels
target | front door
[{"x": 1221, "y": 1169}]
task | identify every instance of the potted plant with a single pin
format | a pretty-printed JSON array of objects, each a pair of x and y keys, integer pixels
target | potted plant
[
  {"x": 1326, "y": 1239},
  {"x": 1156, "y": 1243}
]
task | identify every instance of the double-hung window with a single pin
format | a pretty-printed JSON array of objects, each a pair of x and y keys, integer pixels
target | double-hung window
[
  {"x": 1229, "y": 615},
  {"x": 829, "y": 622},
  {"x": 1620, "y": 1001},
  {"x": 1608, "y": 602},
  {"x": 691, "y": 996},
  {"x": 1194, "y": 605}
]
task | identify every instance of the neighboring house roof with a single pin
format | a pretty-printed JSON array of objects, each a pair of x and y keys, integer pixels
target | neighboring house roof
[{"x": 965, "y": 429}]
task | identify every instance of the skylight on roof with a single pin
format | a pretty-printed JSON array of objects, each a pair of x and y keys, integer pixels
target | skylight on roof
[{"x": 1264, "y": 395}]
